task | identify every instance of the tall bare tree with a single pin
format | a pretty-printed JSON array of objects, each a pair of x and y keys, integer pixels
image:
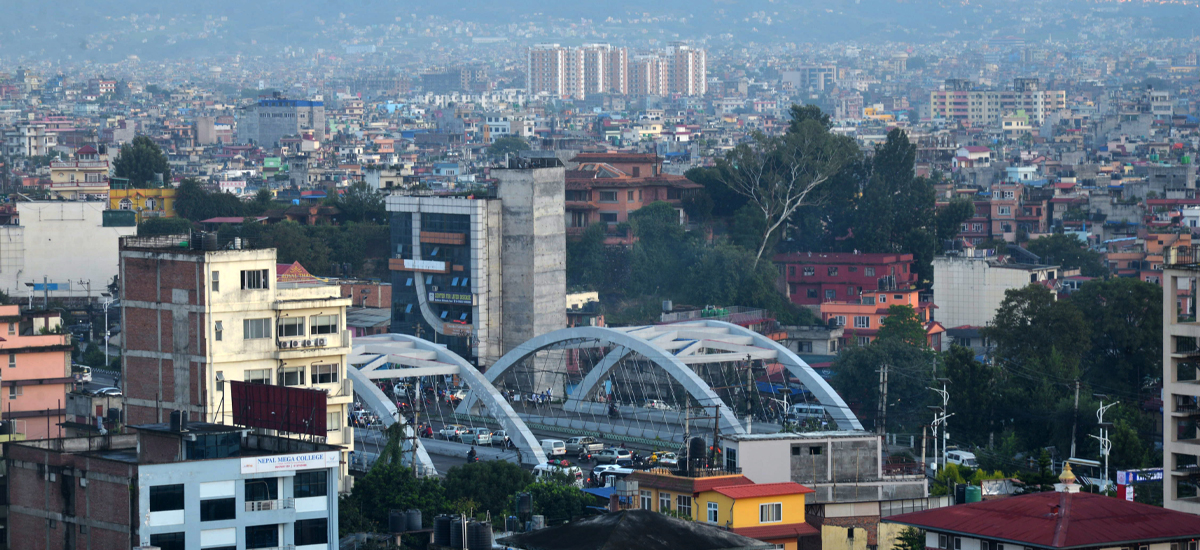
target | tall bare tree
[{"x": 780, "y": 174}]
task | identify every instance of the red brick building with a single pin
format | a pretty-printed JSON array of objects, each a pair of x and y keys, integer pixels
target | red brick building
[
  {"x": 815, "y": 278},
  {"x": 606, "y": 187}
]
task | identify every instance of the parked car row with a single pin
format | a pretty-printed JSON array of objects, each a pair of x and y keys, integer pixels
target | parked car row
[{"x": 473, "y": 436}]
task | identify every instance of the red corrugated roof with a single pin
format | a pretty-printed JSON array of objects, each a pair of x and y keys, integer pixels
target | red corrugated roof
[
  {"x": 763, "y": 490},
  {"x": 709, "y": 483},
  {"x": 1058, "y": 520},
  {"x": 777, "y": 531}
]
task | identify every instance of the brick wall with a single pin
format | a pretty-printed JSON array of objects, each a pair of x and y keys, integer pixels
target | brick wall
[
  {"x": 861, "y": 524},
  {"x": 39, "y": 515},
  {"x": 379, "y": 295}
]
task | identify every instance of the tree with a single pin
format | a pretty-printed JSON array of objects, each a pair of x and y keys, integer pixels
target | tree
[
  {"x": 949, "y": 218},
  {"x": 195, "y": 203},
  {"x": 507, "y": 145},
  {"x": 163, "y": 226},
  {"x": 587, "y": 264},
  {"x": 389, "y": 487},
  {"x": 724, "y": 200},
  {"x": 1030, "y": 325},
  {"x": 803, "y": 113},
  {"x": 139, "y": 161},
  {"x": 1126, "y": 318},
  {"x": 975, "y": 397},
  {"x": 903, "y": 325},
  {"x": 558, "y": 501},
  {"x": 777, "y": 174},
  {"x": 490, "y": 484},
  {"x": 361, "y": 202},
  {"x": 910, "y": 538},
  {"x": 1069, "y": 253},
  {"x": 856, "y": 378}
]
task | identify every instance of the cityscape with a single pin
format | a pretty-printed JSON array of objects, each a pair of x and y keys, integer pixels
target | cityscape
[{"x": 759, "y": 275}]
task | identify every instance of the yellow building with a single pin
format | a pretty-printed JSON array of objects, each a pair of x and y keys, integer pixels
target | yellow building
[
  {"x": 84, "y": 177},
  {"x": 770, "y": 512},
  {"x": 148, "y": 203}
]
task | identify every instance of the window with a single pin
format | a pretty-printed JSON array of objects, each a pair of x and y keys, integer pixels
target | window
[
  {"x": 168, "y": 541},
  {"x": 811, "y": 293},
  {"x": 830, "y": 294},
  {"x": 862, "y": 321},
  {"x": 291, "y": 326},
  {"x": 840, "y": 320},
  {"x": 312, "y": 531},
  {"x": 14, "y": 391},
  {"x": 869, "y": 271},
  {"x": 941, "y": 541},
  {"x": 791, "y": 271},
  {"x": 216, "y": 281},
  {"x": 730, "y": 459},
  {"x": 629, "y": 196},
  {"x": 323, "y": 324},
  {"x": 608, "y": 196},
  {"x": 164, "y": 498},
  {"x": 218, "y": 509},
  {"x": 664, "y": 502},
  {"x": 311, "y": 484},
  {"x": 291, "y": 376},
  {"x": 712, "y": 512},
  {"x": 218, "y": 331},
  {"x": 333, "y": 422},
  {"x": 324, "y": 374},
  {"x": 684, "y": 503},
  {"x": 833, "y": 271},
  {"x": 815, "y": 450},
  {"x": 12, "y": 360},
  {"x": 647, "y": 499},
  {"x": 255, "y": 280},
  {"x": 12, "y": 328},
  {"x": 770, "y": 513},
  {"x": 897, "y": 296},
  {"x": 126, "y": 204},
  {"x": 864, "y": 340},
  {"x": 957, "y": 543},
  {"x": 1004, "y": 210},
  {"x": 809, "y": 271},
  {"x": 608, "y": 217},
  {"x": 266, "y": 488},
  {"x": 253, "y": 329},
  {"x": 262, "y": 536},
  {"x": 883, "y": 298},
  {"x": 258, "y": 376},
  {"x": 850, "y": 291}
]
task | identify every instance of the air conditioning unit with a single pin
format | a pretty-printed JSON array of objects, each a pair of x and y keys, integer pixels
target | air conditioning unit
[
  {"x": 321, "y": 341},
  {"x": 307, "y": 343}
]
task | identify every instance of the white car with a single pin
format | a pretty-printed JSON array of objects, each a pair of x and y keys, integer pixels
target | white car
[
  {"x": 452, "y": 431},
  {"x": 667, "y": 459},
  {"x": 109, "y": 391},
  {"x": 658, "y": 405},
  {"x": 477, "y": 436},
  {"x": 613, "y": 455}
]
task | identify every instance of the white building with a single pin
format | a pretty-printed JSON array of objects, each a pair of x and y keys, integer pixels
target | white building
[{"x": 968, "y": 291}]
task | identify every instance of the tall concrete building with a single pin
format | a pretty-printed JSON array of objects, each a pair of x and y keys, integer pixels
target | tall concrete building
[
  {"x": 649, "y": 75},
  {"x": 604, "y": 69},
  {"x": 969, "y": 290},
  {"x": 196, "y": 317},
  {"x": 958, "y": 101},
  {"x": 270, "y": 120},
  {"x": 482, "y": 275},
  {"x": 688, "y": 69},
  {"x": 1181, "y": 381}
]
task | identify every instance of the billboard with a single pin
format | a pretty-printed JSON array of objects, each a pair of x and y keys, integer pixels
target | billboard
[
  {"x": 292, "y": 410},
  {"x": 270, "y": 163},
  {"x": 450, "y": 298},
  {"x": 276, "y": 463}
]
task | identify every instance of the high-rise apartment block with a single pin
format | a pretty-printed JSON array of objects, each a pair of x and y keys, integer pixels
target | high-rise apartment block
[
  {"x": 603, "y": 69},
  {"x": 959, "y": 102},
  {"x": 267, "y": 122},
  {"x": 198, "y": 315}
]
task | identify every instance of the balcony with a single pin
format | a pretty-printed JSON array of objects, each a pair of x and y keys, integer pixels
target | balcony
[
  {"x": 267, "y": 505},
  {"x": 289, "y": 347}
]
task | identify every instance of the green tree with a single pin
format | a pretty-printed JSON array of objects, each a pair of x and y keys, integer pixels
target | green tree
[
  {"x": 975, "y": 396},
  {"x": 856, "y": 379},
  {"x": 387, "y": 487},
  {"x": 804, "y": 113},
  {"x": 557, "y": 501},
  {"x": 948, "y": 476},
  {"x": 1126, "y": 318},
  {"x": 194, "y": 202},
  {"x": 724, "y": 201},
  {"x": 723, "y": 275},
  {"x": 490, "y": 484},
  {"x": 1069, "y": 253},
  {"x": 903, "y": 325},
  {"x": 507, "y": 145},
  {"x": 361, "y": 202},
  {"x": 950, "y": 218},
  {"x": 139, "y": 161},
  {"x": 1031, "y": 325},
  {"x": 163, "y": 226},
  {"x": 910, "y": 538},
  {"x": 587, "y": 264}
]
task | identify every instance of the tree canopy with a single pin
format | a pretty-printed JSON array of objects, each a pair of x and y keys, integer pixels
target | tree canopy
[
  {"x": 902, "y": 324},
  {"x": 139, "y": 161},
  {"x": 507, "y": 145},
  {"x": 490, "y": 484},
  {"x": 1069, "y": 253}
]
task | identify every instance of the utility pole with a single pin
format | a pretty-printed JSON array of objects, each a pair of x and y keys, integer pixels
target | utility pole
[
  {"x": 1075, "y": 419},
  {"x": 1105, "y": 443},
  {"x": 939, "y": 419},
  {"x": 881, "y": 424}
]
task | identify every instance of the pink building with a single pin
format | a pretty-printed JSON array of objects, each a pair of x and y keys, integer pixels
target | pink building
[{"x": 37, "y": 376}]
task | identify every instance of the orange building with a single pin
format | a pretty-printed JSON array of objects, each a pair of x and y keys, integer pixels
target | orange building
[
  {"x": 38, "y": 374},
  {"x": 862, "y": 318}
]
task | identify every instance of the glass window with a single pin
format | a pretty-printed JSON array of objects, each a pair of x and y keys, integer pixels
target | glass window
[
  {"x": 833, "y": 271},
  {"x": 12, "y": 360},
  {"x": 253, "y": 329},
  {"x": 770, "y": 513},
  {"x": 291, "y": 376},
  {"x": 862, "y": 321},
  {"x": 214, "y": 446},
  {"x": 218, "y": 509},
  {"x": 664, "y": 501},
  {"x": 166, "y": 497},
  {"x": 608, "y": 196},
  {"x": 216, "y": 281},
  {"x": 333, "y": 422},
  {"x": 265, "y": 488},
  {"x": 218, "y": 331},
  {"x": 324, "y": 374},
  {"x": 258, "y": 376},
  {"x": 830, "y": 294},
  {"x": 255, "y": 279},
  {"x": 312, "y": 531},
  {"x": 809, "y": 271},
  {"x": 323, "y": 324},
  {"x": 684, "y": 503},
  {"x": 168, "y": 541},
  {"x": 712, "y": 512},
  {"x": 608, "y": 217},
  {"x": 869, "y": 271},
  {"x": 647, "y": 499},
  {"x": 811, "y": 293},
  {"x": 262, "y": 536},
  {"x": 311, "y": 484},
  {"x": 291, "y": 326}
]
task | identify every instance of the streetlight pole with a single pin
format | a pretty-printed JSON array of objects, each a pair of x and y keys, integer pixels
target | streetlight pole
[
  {"x": 107, "y": 302},
  {"x": 941, "y": 419},
  {"x": 1105, "y": 443}
]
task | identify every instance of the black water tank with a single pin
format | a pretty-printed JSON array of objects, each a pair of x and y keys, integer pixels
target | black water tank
[
  {"x": 480, "y": 535},
  {"x": 210, "y": 241},
  {"x": 697, "y": 452},
  {"x": 413, "y": 518},
  {"x": 524, "y": 503},
  {"x": 512, "y": 524},
  {"x": 441, "y": 530},
  {"x": 397, "y": 521},
  {"x": 456, "y": 532},
  {"x": 176, "y": 421}
]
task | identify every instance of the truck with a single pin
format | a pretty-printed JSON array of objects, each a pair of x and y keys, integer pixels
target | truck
[{"x": 584, "y": 446}]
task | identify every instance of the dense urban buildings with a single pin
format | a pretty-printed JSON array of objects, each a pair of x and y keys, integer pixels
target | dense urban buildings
[
  {"x": 270, "y": 120},
  {"x": 563, "y": 72}
]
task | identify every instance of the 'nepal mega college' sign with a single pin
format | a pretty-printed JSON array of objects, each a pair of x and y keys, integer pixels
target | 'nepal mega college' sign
[{"x": 276, "y": 463}]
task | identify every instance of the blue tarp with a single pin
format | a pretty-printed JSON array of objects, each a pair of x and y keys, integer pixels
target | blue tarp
[
  {"x": 772, "y": 388},
  {"x": 602, "y": 492}
]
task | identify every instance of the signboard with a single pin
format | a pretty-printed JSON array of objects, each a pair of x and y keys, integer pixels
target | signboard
[
  {"x": 41, "y": 287},
  {"x": 451, "y": 298},
  {"x": 455, "y": 329},
  {"x": 293, "y": 410},
  {"x": 1129, "y": 477},
  {"x": 425, "y": 265},
  {"x": 271, "y": 163},
  {"x": 278, "y": 463}
]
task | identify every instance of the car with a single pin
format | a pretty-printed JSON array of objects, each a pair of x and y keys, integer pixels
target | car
[
  {"x": 962, "y": 458},
  {"x": 451, "y": 431},
  {"x": 608, "y": 474},
  {"x": 400, "y": 390},
  {"x": 109, "y": 391},
  {"x": 82, "y": 374},
  {"x": 666, "y": 459},
  {"x": 658, "y": 405},
  {"x": 554, "y": 447},
  {"x": 546, "y": 471},
  {"x": 584, "y": 446},
  {"x": 500, "y": 437},
  {"x": 612, "y": 455},
  {"x": 477, "y": 436}
]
